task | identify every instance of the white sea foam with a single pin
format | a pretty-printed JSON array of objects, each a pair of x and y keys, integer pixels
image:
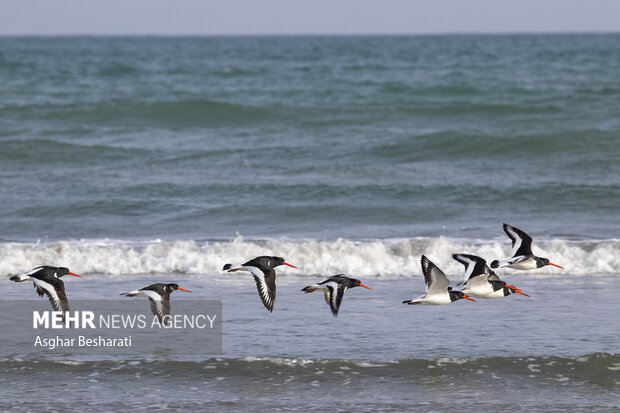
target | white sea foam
[
  {"x": 374, "y": 258},
  {"x": 282, "y": 361}
]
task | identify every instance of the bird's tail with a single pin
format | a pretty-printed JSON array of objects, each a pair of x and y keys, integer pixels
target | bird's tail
[
  {"x": 308, "y": 289},
  {"x": 495, "y": 264},
  {"x": 411, "y": 302},
  {"x": 227, "y": 267},
  {"x": 19, "y": 278}
]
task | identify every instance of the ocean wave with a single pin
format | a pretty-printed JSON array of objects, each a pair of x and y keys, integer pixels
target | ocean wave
[
  {"x": 599, "y": 368},
  {"x": 449, "y": 144},
  {"x": 166, "y": 113},
  {"x": 372, "y": 258},
  {"x": 53, "y": 151}
]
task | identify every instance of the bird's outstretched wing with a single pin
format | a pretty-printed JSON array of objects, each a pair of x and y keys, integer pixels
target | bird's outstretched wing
[
  {"x": 39, "y": 289},
  {"x": 55, "y": 291},
  {"x": 436, "y": 280},
  {"x": 334, "y": 296},
  {"x": 160, "y": 308},
  {"x": 266, "y": 286},
  {"x": 266, "y": 290},
  {"x": 521, "y": 242},
  {"x": 474, "y": 265}
]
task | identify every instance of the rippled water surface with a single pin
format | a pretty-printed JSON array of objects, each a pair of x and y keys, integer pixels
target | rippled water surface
[{"x": 141, "y": 160}]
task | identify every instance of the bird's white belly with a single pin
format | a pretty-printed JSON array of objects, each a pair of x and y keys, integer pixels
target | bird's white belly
[
  {"x": 496, "y": 294},
  {"x": 479, "y": 291},
  {"x": 526, "y": 264},
  {"x": 436, "y": 299}
]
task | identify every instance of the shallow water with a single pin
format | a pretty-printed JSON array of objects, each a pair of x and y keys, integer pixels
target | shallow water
[{"x": 555, "y": 349}]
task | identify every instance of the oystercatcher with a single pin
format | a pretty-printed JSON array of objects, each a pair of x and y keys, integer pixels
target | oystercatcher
[
  {"x": 159, "y": 298},
  {"x": 46, "y": 280},
  {"x": 522, "y": 256},
  {"x": 334, "y": 288},
  {"x": 481, "y": 281},
  {"x": 437, "y": 290},
  {"x": 262, "y": 269}
]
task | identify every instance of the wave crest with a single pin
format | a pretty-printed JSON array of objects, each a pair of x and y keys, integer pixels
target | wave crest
[{"x": 373, "y": 258}]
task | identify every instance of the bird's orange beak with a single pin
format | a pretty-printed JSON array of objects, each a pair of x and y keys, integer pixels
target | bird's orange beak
[
  {"x": 516, "y": 290},
  {"x": 75, "y": 275},
  {"x": 556, "y": 265},
  {"x": 365, "y": 286},
  {"x": 470, "y": 299},
  {"x": 286, "y": 263},
  {"x": 183, "y": 289}
]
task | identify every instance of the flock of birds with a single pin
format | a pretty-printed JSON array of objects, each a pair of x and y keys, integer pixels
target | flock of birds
[{"x": 481, "y": 281}]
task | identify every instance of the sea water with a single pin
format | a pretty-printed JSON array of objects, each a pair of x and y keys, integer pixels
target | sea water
[{"x": 134, "y": 160}]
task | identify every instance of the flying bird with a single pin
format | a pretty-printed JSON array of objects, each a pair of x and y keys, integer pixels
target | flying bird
[
  {"x": 522, "y": 256},
  {"x": 262, "y": 269},
  {"x": 334, "y": 288},
  {"x": 159, "y": 298},
  {"x": 438, "y": 291},
  {"x": 46, "y": 280},
  {"x": 481, "y": 281}
]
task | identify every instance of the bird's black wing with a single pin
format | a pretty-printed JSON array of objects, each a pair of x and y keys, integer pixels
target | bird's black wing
[
  {"x": 334, "y": 278},
  {"x": 436, "y": 280},
  {"x": 337, "y": 300},
  {"x": 40, "y": 291},
  {"x": 160, "y": 308},
  {"x": 266, "y": 285},
  {"x": 474, "y": 265},
  {"x": 55, "y": 291},
  {"x": 521, "y": 242},
  {"x": 157, "y": 287}
]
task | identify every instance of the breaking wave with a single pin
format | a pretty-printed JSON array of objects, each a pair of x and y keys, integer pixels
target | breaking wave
[{"x": 372, "y": 258}]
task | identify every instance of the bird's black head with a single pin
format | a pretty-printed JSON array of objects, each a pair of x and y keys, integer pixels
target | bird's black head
[
  {"x": 357, "y": 283},
  {"x": 62, "y": 271},
  {"x": 276, "y": 261},
  {"x": 458, "y": 295},
  {"x": 541, "y": 262},
  {"x": 509, "y": 289},
  {"x": 173, "y": 287}
]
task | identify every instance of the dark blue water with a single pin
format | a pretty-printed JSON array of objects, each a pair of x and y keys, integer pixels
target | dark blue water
[{"x": 322, "y": 137}]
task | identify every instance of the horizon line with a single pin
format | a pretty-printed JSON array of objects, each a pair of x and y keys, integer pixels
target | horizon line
[{"x": 310, "y": 34}]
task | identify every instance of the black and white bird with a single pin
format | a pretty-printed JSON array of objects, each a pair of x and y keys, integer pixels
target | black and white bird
[
  {"x": 334, "y": 288},
  {"x": 47, "y": 281},
  {"x": 438, "y": 291},
  {"x": 159, "y": 298},
  {"x": 481, "y": 281},
  {"x": 522, "y": 256},
  {"x": 262, "y": 269}
]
